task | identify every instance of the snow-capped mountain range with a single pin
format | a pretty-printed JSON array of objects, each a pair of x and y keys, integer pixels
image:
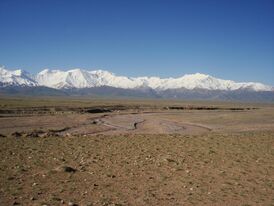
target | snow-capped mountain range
[{"x": 79, "y": 78}]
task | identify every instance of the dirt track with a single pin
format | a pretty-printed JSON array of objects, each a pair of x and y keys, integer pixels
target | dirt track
[{"x": 149, "y": 124}]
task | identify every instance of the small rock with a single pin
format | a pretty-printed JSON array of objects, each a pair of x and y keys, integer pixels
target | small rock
[
  {"x": 16, "y": 134},
  {"x": 56, "y": 199},
  {"x": 66, "y": 169},
  {"x": 1, "y": 135},
  {"x": 32, "y": 198},
  {"x": 72, "y": 204},
  {"x": 32, "y": 134},
  {"x": 94, "y": 122}
]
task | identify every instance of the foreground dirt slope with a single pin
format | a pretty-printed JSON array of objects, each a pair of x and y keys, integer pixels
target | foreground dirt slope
[
  {"x": 209, "y": 169},
  {"x": 135, "y": 152}
]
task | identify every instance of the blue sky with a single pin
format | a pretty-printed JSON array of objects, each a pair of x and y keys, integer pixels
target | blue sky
[{"x": 232, "y": 39}]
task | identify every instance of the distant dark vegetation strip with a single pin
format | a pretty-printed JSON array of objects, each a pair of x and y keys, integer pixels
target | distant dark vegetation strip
[
  {"x": 46, "y": 110},
  {"x": 105, "y": 109},
  {"x": 209, "y": 108}
]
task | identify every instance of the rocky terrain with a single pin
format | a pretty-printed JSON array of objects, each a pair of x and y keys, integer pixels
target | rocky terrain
[{"x": 126, "y": 152}]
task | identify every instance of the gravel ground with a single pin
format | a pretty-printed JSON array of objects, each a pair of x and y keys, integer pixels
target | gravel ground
[{"x": 135, "y": 169}]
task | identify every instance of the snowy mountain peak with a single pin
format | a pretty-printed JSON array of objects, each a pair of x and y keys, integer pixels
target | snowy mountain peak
[
  {"x": 19, "y": 72},
  {"x": 196, "y": 76},
  {"x": 16, "y": 78},
  {"x": 102, "y": 73},
  {"x": 44, "y": 71}
]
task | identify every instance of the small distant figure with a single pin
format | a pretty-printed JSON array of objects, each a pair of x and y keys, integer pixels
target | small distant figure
[{"x": 135, "y": 125}]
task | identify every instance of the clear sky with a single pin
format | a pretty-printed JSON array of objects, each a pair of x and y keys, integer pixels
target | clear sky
[{"x": 232, "y": 39}]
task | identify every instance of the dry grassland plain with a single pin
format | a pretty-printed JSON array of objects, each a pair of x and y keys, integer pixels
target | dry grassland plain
[{"x": 90, "y": 151}]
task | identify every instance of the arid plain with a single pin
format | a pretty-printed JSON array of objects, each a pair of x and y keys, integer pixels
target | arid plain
[{"x": 68, "y": 151}]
